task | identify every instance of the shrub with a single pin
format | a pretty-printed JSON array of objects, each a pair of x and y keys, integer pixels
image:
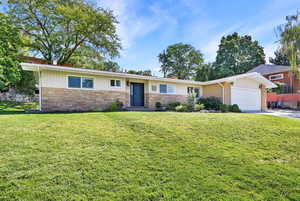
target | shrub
[
  {"x": 225, "y": 108},
  {"x": 181, "y": 108},
  {"x": 172, "y": 106},
  {"x": 190, "y": 102},
  {"x": 158, "y": 105},
  {"x": 210, "y": 103},
  {"x": 235, "y": 108},
  {"x": 198, "y": 107},
  {"x": 115, "y": 106}
]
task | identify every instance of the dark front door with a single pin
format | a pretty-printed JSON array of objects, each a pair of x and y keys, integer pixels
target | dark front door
[{"x": 137, "y": 94}]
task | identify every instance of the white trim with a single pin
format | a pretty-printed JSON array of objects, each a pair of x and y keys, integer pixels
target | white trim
[
  {"x": 38, "y": 67},
  {"x": 40, "y": 90},
  {"x": 115, "y": 83}
]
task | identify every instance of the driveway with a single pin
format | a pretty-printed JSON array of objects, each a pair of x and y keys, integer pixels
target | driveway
[{"x": 283, "y": 113}]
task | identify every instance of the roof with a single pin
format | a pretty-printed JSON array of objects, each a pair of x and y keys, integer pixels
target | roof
[
  {"x": 38, "y": 67},
  {"x": 266, "y": 69},
  {"x": 253, "y": 75}
]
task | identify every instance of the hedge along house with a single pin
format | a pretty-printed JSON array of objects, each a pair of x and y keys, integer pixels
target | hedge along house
[{"x": 76, "y": 89}]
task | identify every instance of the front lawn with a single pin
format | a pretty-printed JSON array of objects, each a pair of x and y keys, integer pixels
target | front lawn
[{"x": 149, "y": 156}]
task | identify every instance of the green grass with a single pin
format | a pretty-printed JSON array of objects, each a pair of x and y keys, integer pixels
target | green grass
[
  {"x": 9, "y": 107},
  {"x": 149, "y": 156}
]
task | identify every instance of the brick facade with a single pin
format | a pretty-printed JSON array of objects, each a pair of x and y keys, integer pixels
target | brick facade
[
  {"x": 164, "y": 99},
  {"x": 58, "y": 99}
]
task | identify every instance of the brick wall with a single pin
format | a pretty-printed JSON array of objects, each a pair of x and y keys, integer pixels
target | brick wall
[
  {"x": 55, "y": 99},
  {"x": 164, "y": 99}
]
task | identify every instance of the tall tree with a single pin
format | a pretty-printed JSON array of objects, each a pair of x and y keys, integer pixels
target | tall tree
[
  {"x": 205, "y": 72},
  {"x": 10, "y": 43},
  {"x": 180, "y": 60},
  {"x": 58, "y": 29},
  {"x": 280, "y": 58},
  {"x": 290, "y": 42},
  {"x": 237, "y": 55}
]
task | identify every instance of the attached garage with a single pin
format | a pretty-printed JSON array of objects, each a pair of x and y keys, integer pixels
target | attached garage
[
  {"x": 248, "y": 91},
  {"x": 246, "y": 98}
]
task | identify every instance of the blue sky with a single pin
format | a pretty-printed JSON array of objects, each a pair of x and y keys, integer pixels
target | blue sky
[{"x": 147, "y": 27}]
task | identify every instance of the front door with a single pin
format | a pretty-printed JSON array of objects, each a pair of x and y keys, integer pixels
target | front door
[{"x": 137, "y": 94}]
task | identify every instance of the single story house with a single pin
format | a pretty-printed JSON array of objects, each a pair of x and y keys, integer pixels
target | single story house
[
  {"x": 288, "y": 95},
  {"x": 77, "y": 89}
]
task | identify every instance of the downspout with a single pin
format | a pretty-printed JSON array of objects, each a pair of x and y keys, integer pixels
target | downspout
[
  {"x": 40, "y": 88},
  {"x": 223, "y": 92}
]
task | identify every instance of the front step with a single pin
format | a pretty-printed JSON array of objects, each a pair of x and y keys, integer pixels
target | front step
[{"x": 140, "y": 109}]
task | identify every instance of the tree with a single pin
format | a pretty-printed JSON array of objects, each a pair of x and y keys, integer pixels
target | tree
[
  {"x": 280, "y": 58},
  {"x": 112, "y": 66},
  {"x": 180, "y": 60},
  {"x": 10, "y": 43},
  {"x": 237, "y": 55},
  {"x": 290, "y": 41},
  {"x": 205, "y": 72},
  {"x": 59, "y": 29},
  {"x": 140, "y": 72}
]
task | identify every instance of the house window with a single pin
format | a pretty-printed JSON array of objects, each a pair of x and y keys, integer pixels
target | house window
[
  {"x": 167, "y": 88},
  {"x": 190, "y": 90},
  {"x": 197, "y": 92},
  {"x": 193, "y": 91},
  {"x": 87, "y": 83},
  {"x": 276, "y": 77},
  {"x": 80, "y": 82},
  {"x": 163, "y": 88},
  {"x": 154, "y": 88},
  {"x": 115, "y": 83},
  {"x": 74, "y": 82}
]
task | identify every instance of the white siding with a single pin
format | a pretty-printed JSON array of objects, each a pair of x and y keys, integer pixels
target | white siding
[
  {"x": 55, "y": 79},
  {"x": 181, "y": 89},
  {"x": 246, "y": 83}
]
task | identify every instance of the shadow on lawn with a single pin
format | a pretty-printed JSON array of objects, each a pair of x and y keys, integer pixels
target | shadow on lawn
[{"x": 8, "y": 107}]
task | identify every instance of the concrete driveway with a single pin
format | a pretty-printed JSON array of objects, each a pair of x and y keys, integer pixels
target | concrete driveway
[{"x": 283, "y": 113}]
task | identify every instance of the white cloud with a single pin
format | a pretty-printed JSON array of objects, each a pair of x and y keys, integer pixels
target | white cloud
[{"x": 133, "y": 26}]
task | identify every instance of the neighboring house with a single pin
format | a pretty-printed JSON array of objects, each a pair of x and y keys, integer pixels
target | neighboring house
[
  {"x": 288, "y": 94},
  {"x": 78, "y": 89}
]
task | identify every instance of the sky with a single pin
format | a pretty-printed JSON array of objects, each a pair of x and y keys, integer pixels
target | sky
[{"x": 146, "y": 27}]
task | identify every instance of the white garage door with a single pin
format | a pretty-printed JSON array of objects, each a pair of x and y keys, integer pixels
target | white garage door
[{"x": 246, "y": 98}]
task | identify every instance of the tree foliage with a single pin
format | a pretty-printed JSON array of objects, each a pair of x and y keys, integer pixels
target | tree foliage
[
  {"x": 290, "y": 39},
  {"x": 140, "y": 72},
  {"x": 10, "y": 43},
  {"x": 61, "y": 29},
  {"x": 280, "y": 58},
  {"x": 237, "y": 55},
  {"x": 205, "y": 72},
  {"x": 180, "y": 60}
]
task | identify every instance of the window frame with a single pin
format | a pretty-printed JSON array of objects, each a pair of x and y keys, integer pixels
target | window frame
[
  {"x": 192, "y": 91},
  {"x": 81, "y": 79},
  {"x": 115, "y": 83},
  {"x": 279, "y": 74},
  {"x": 167, "y": 87}
]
